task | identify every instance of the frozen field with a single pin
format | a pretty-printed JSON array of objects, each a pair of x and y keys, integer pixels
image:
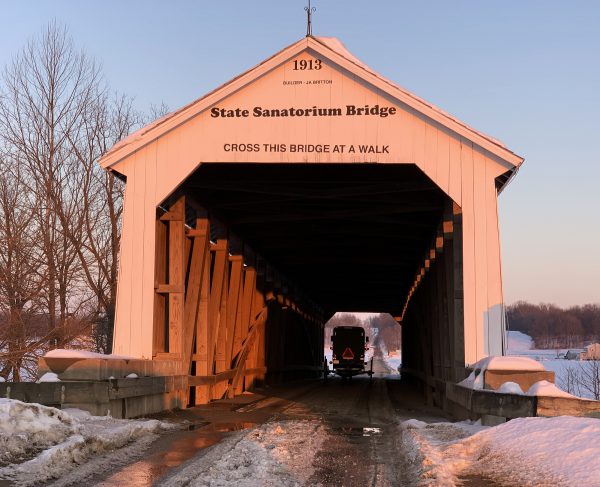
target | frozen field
[{"x": 520, "y": 344}]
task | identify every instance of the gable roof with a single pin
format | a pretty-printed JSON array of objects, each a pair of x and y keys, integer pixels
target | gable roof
[{"x": 335, "y": 51}]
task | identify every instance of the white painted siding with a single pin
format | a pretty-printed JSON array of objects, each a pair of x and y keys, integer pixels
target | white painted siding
[{"x": 463, "y": 170}]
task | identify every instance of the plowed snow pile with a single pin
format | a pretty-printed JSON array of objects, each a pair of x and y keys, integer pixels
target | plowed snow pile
[
  {"x": 538, "y": 452},
  {"x": 38, "y": 443},
  {"x": 276, "y": 454}
]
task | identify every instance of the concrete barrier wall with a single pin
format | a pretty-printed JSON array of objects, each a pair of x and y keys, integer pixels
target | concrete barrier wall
[
  {"x": 484, "y": 403},
  {"x": 99, "y": 369},
  {"x": 119, "y": 398}
]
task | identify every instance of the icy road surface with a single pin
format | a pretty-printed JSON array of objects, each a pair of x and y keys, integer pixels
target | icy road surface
[
  {"x": 339, "y": 433},
  {"x": 342, "y": 433}
]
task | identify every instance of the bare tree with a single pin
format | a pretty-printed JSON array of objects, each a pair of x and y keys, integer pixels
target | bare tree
[
  {"x": 589, "y": 378},
  {"x": 569, "y": 380},
  {"x": 156, "y": 112},
  {"x": 389, "y": 331},
  {"x": 20, "y": 282},
  {"x": 60, "y": 211},
  {"x": 47, "y": 90},
  {"x": 582, "y": 379},
  {"x": 96, "y": 232}
]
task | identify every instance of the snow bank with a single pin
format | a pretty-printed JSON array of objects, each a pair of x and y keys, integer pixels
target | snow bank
[
  {"x": 421, "y": 445},
  {"x": 509, "y": 363},
  {"x": 474, "y": 381},
  {"x": 519, "y": 342},
  {"x": 523, "y": 451},
  {"x": 510, "y": 388},
  {"x": 275, "y": 454},
  {"x": 476, "y": 378},
  {"x": 38, "y": 443},
  {"x": 413, "y": 424},
  {"x": 62, "y": 353},
  {"x": 540, "y": 388},
  {"x": 49, "y": 377},
  {"x": 393, "y": 361},
  {"x": 545, "y": 388},
  {"x": 27, "y": 428}
]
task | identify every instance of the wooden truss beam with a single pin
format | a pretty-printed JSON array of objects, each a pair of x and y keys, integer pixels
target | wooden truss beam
[{"x": 211, "y": 309}]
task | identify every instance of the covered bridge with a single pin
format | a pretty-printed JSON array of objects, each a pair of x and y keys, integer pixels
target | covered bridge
[{"x": 308, "y": 185}]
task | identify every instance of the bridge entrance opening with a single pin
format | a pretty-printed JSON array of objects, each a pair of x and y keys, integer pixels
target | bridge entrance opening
[
  {"x": 351, "y": 236},
  {"x": 309, "y": 240}
]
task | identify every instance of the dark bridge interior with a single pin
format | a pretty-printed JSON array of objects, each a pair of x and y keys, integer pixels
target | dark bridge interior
[
  {"x": 285, "y": 246},
  {"x": 351, "y": 235}
]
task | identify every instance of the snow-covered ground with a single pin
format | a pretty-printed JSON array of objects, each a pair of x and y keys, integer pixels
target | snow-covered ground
[
  {"x": 275, "y": 454},
  {"x": 393, "y": 361},
  {"x": 561, "y": 451},
  {"x": 39, "y": 443},
  {"x": 475, "y": 380},
  {"x": 519, "y": 344},
  {"x": 558, "y": 452}
]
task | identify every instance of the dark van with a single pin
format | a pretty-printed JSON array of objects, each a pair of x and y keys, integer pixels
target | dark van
[{"x": 349, "y": 345}]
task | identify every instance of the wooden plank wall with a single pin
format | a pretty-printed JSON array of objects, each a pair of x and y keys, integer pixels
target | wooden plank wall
[
  {"x": 432, "y": 319},
  {"x": 217, "y": 315},
  {"x": 457, "y": 159}
]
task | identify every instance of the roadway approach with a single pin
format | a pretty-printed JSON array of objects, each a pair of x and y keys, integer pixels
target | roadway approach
[{"x": 355, "y": 428}]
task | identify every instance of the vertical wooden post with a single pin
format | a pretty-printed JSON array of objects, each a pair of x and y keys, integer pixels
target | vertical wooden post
[
  {"x": 245, "y": 315},
  {"x": 202, "y": 364},
  {"x": 441, "y": 323},
  {"x": 160, "y": 301},
  {"x": 215, "y": 302},
  {"x": 256, "y": 355},
  {"x": 221, "y": 345},
  {"x": 459, "y": 313},
  {"x": 449, "y": 296},
  {"x": 280, "y": 325},
  {"x": 198, "y": 267},
  {"x": 176, "y": 274},
  {"x": 233, "y": 303}
]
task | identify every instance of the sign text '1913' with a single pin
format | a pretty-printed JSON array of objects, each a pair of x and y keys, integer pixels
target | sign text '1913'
[{"x": 307, "y": 64}]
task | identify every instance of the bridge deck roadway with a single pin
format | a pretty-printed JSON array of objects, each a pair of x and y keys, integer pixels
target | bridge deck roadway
[{"x": 350, "y": 454}]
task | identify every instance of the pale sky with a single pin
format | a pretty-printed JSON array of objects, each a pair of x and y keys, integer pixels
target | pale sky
[{"x": 527, "y": 73}]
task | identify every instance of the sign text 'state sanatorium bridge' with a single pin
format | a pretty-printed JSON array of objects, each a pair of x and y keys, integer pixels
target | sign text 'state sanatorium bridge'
[{"x": 308, "y": 185}]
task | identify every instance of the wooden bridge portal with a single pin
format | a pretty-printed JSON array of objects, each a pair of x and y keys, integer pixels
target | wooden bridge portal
[{"x": 305, "y": 186}]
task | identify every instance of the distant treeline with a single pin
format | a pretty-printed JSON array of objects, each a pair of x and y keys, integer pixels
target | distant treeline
[{"x": 554, "y": 327}]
